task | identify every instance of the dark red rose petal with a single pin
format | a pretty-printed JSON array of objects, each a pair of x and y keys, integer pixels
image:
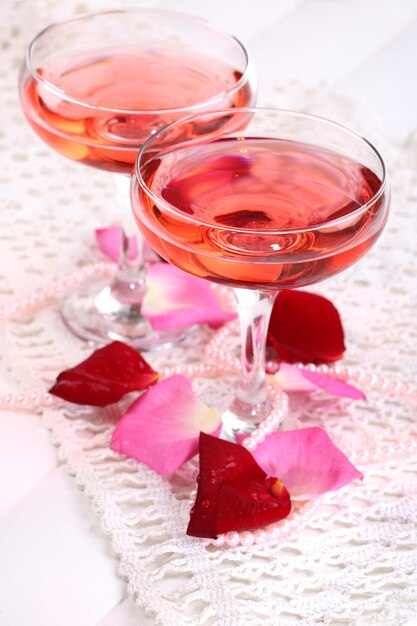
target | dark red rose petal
[
  {"x": 105, "y": 377},
  {"x": 234, "y": 493},
  {"x": 305, "y": 327}
]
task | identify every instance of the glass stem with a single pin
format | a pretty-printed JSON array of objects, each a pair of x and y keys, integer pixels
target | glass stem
[
  {"x": 129, "y": 284},
  {"x": 251, "y": 403}
]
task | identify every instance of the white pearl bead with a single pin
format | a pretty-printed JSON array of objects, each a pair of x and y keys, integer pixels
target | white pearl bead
[
  {"x": 260, "y": 536},
  {"x": 246, "y": 538},
  {"x": 232, "y": 539},
  {"x": 271, "y": 532},
  {"x": 219, "y": 542}
]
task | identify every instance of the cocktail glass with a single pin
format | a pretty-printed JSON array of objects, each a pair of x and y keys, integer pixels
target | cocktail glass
[
  {"x": 94, "y": 88},
  {"x": 274, "y": 200}
]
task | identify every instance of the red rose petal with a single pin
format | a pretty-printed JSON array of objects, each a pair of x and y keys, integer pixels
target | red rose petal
[
  {"x": 234, "y": 493},
  {"x": 105, "y": 377},
  {"x": 305, "y": 327}
]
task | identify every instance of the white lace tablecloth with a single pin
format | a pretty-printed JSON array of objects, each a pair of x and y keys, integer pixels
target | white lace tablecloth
[{"x": 355, "y": 561}]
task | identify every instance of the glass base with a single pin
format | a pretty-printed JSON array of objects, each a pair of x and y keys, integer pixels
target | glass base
[
  {"x": 94, "y": 315},
  {"x": 242, "y": 418}
]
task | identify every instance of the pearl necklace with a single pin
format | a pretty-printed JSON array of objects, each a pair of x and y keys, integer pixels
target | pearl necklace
[{"x": 56, "y": 288}]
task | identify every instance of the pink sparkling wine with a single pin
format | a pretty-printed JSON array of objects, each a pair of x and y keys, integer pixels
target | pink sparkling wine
[
  {"x": 143, "y": 84},
  {"x": 261, "y": 213}
]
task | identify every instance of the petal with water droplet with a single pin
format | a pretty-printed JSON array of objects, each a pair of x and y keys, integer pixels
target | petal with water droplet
[{"x": 234, "y": 493}]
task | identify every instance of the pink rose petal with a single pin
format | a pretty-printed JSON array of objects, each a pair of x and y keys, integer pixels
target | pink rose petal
[
  {"x": 161, "y": 428},
  {"x": 175, "y": 299},
  {"x": 291, "y": 379},
  {"x": 110, "y": 241},
  {"x": 307, "y": 462},
  {"x": 295, "y": 379},
  {"x": 334, "y": 386}
]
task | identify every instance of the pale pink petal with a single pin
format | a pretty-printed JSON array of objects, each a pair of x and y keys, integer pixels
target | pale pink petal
[
  {"x": 110, "y": 240},
  {"x": 291, "y": 379},
  {"x": 295, "y": 379},
  {"x": 162, "y": 427},
  {"x": 334, "y": 386},
  {"x": 132, "y": 247},
  {"x": 307, "y": 462},
  {"x": 175, "y": 299}
]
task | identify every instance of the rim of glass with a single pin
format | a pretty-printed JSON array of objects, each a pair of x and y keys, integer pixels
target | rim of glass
[
  {"x": 339, "y": 220},
  {"x": 137, "y": 10}
]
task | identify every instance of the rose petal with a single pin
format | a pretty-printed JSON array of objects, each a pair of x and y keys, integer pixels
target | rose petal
[
  {"x": 162, "y": 427},
  {"x": 175, "y": 299},
  {"x": 107, "y": 375},
  {"x": 295, "y": 379},
  {"x": 307, "y": 462},
  {"x": 291, "y": 379},
  {"x": 305, "y": 327},
  {"x": 234, "y": 493},
  {"x": 334, "y": 386},
  {"x": 110, "y": 242}
]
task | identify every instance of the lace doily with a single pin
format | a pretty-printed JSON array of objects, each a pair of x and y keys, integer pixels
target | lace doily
[{"x": 355, "y": 560}]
